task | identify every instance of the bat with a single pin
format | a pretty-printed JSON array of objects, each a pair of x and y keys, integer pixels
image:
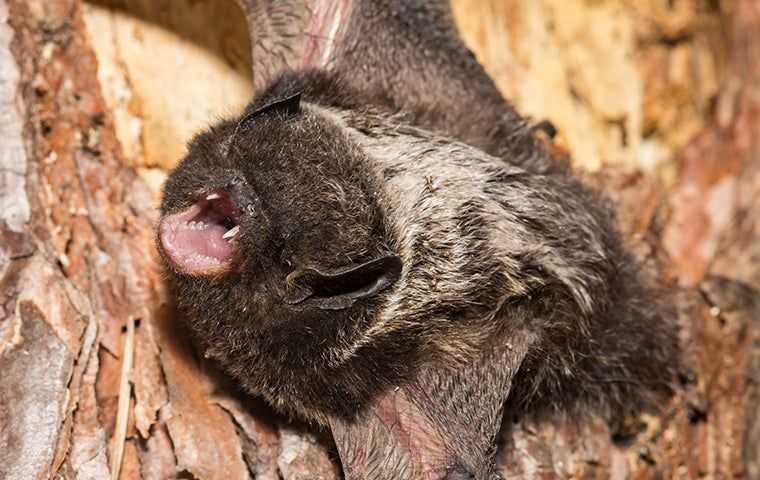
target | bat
[{"x": 380, "y": 244}]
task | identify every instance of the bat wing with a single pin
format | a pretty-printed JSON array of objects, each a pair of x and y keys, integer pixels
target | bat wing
[
  {"x": 442, "y": 425},
  {"x": 405, "y": 55}
]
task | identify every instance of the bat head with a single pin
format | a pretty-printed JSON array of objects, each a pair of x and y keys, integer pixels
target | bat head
[
  {"x": 276, "y": 247},
  {"x": 322, "y": 251}
]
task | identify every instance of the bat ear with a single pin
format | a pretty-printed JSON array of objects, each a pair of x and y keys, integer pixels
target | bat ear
[
  {"x": 287, "y": 106},
  {"x": 341, "y": 288}
]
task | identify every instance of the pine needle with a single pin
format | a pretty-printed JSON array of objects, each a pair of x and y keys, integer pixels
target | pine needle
[{"x": 122, "y": 415}]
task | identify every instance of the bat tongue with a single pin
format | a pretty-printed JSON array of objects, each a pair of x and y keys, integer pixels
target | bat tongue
[{"x": 197, "y": 240}]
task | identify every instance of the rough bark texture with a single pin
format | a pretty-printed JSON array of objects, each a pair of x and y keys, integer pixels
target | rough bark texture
[{"x": 668, "y": 88}]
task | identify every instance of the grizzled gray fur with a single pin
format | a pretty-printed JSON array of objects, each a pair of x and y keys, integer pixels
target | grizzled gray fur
[{"x": 367, "y": 264}]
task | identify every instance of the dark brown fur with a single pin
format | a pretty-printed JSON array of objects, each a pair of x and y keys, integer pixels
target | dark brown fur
[{"x": 514, "y": 288}]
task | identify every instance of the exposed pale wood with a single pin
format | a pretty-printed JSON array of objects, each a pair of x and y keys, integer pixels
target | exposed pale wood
[{"x": 125, "y": 393}]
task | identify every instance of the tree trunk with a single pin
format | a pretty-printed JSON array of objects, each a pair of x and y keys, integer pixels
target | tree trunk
[{"x": 658, "y": 101}]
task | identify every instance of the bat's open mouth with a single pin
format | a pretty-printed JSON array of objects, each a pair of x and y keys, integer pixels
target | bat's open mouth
[{"x": 198, "y": 240}]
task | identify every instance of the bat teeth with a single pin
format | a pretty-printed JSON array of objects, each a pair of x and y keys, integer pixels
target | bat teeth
[
  {"x": 231, "y": 233},
  {"x": 213, "y": 196},
  {"x": 197, "y": 225},
  {"x": 199, "y": 257}
]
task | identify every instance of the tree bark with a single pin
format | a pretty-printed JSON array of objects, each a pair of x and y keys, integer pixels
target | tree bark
[{"x": 77, "y": 262}]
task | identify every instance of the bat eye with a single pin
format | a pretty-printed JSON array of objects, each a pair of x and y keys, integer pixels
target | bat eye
[{"x": 198, "y": 240}]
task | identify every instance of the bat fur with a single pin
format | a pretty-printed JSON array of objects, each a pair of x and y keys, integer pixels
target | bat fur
[{"x": 404, "y": 260}]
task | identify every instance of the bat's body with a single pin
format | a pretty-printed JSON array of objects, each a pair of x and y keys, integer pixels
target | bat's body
[{"x": 362, "y": 259}]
